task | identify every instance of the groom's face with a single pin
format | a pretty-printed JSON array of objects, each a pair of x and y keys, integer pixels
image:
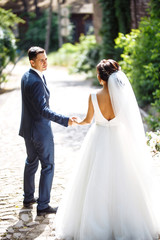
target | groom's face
[{"x": 40, "y": 62}]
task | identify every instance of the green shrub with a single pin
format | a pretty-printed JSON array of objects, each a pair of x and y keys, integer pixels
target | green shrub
[
  {"x": 7, "y": 40},
  {"x": 87, "y": 55},
  {"x": 115, "y": 18},
  {"x": 36, "y": 32},
  {"x": 81, "y": 57},
  {"x": 141, "y": 63},
  {"x": 64, "y": 56},
  {"x": 7, "y": 51}
]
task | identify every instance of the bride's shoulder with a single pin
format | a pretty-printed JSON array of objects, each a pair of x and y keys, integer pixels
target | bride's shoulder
[
  {"x": 99, "y": 92},
  {"x": 96, "y": 92},
  {"x": 92, "y": 96}
]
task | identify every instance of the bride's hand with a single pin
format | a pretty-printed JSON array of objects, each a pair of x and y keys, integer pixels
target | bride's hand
[
  {"x": 72, "y": 121},
  {"x": 77, "y": 120}
]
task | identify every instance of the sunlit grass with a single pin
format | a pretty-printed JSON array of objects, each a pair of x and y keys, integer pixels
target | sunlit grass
[{"x": 61, "y": 59}]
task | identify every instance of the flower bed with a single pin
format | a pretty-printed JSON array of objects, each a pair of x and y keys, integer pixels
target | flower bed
[{"x": 153, "y": 141}]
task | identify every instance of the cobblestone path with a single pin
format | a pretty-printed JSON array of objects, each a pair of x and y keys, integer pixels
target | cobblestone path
[{"x": 69, "y": 96}]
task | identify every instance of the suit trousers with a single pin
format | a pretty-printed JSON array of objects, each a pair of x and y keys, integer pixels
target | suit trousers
[{"x": 44, "y": 152}]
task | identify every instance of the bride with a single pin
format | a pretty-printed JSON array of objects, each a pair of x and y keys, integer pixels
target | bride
[{"x": 113, "y": 194}]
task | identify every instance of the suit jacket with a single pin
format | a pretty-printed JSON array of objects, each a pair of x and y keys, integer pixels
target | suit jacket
[{"x": 36, "y": 114}]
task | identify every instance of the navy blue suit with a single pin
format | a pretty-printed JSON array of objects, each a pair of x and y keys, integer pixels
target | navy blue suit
[{"x": 36, "y": 129}]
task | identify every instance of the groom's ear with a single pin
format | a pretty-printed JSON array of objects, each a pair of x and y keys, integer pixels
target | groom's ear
[{"x": 32, "y": 63}]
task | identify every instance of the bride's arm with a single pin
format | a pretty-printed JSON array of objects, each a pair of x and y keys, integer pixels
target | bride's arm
[{"x": 89, "y": 115}]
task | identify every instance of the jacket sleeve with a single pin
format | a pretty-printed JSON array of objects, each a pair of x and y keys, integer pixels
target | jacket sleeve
[{"x": 38, "y": 99}]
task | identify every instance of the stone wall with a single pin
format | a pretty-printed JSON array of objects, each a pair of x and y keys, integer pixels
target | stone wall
[{"x": 138, "y": 10}]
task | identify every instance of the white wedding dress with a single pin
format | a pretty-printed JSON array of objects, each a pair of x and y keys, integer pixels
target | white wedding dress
[{"x": 112, "y": 196}]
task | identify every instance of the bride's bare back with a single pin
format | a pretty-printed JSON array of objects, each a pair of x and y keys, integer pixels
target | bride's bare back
[
  {"x": 104, "y": 69},
  {"x": 105, "y": 105}
]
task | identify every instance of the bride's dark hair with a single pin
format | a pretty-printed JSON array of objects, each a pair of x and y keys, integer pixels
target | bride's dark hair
[{"x": 106, "y": 67}]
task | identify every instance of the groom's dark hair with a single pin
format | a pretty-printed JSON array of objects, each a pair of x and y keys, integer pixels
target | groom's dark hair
[{"x": 34, "y": 51}]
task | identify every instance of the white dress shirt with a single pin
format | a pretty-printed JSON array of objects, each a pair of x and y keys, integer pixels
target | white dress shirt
[{"x": 39, "y": 73}]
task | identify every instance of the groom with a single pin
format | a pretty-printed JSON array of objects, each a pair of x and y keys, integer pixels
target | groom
[{"x": 36, "y": 130}]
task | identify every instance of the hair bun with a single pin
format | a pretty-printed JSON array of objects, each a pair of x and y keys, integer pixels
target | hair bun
[{"x": 106, "y": 67}]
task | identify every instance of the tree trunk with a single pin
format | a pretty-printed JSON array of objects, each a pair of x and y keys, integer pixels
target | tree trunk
[
  {"x": 48, "y": 28},
  {"x": 36, "y": 8},
  {"x": 25, "y": 5},
  {"x": 97, "y": 20},
  {"x": 59, "y": 25}
]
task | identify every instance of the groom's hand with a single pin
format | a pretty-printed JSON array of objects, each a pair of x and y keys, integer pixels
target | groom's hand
[{"x": 72, "y": 122}]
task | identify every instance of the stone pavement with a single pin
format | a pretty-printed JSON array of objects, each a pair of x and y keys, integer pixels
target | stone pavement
[{"x": 69, "y": 96}]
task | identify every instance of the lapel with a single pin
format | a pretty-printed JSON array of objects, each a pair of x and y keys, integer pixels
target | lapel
[{"x": 44, "y": 82}]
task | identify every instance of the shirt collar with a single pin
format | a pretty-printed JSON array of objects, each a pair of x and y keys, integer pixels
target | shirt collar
[{"x": 38, "y": 72}]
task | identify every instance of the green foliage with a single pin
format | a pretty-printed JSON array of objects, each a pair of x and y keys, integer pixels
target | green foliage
[
  {"x": 36, "y": 32},
  {"x": 81, "y": 57},
  {"x": 8, "y": 19},
  {"x": 122, "y": 12},
  {"x": 115, "y": 18},
  {"x": 141, "y": 62},
  {"x": 87, "y": 54},
  {"x": 7, "y": 40},
  {"x": 155, "y": 8},
  {"x": 64, "y": 56},
  {"x": 154, "y": 118},
  {"x": 109, "y": 28}
]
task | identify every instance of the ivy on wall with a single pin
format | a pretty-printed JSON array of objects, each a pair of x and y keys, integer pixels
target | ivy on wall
[
  {"x": 141, "y": 62},
  {"x": 123, "y": 14},
  {"x": 116, "y": 18}
]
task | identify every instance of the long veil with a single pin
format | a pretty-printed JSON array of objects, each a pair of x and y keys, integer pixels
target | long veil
[{"x": 133, "y": 137}]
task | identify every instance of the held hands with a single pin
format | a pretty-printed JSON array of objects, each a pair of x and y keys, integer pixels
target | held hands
[{"x": 72, "y": 121}]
